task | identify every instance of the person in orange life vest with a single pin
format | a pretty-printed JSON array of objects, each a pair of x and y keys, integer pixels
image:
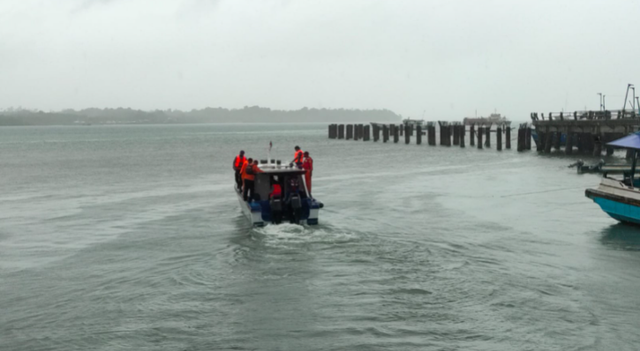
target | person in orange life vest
[
  {"x": 249, "y": 181},
  {"x": 307, "y": 165},
  {"x": 245, "y": 176},
  {"x": 276, "y": 189},
  {"x": 238, "y": 162},
  {"x": 297, "y": 157}
]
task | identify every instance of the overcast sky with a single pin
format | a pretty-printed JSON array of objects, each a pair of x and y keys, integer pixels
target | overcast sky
[{"x": 449, "y": 58}]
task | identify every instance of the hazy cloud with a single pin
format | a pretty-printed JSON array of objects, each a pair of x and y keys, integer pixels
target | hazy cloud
[{"x": 446, "y": 57}]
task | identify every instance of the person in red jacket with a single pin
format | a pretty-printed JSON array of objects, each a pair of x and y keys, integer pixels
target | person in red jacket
[
  {"x": 307, "y": 165},
  {"x": 238, "y": 162},
  {"x": 247, "y": 179}
]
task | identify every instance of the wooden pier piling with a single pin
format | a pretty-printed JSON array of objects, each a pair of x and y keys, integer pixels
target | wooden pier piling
[
  {"x": 480, "y": 132},
  {"x": 557, "y": 138},
  {"x": 463, "y": 131},
  {"x": 456, "y": 135},
  {"x": 418, "y": 135},
  {"x": 487, "y": 130},
  {"x": 527, "y": 138},
  {"x": 431, "y": 133},
  {"x": 568, "y": 148},
  {"x": 366, "y": 130},
  {"x": 499, "y": 138},
  {"x": 407, "y": 134},
  {"x": 507, "y": 136},
  {"x": 396, "y": 130},
  {"x": 349, "y": 131},
  {"x": 472, "y": 135},
  {"x": 341, "y": 131},
  {"x": 385, "y": 133},
  {"x": 333, "y": 131},
  {"x": 520, "y": 141}
]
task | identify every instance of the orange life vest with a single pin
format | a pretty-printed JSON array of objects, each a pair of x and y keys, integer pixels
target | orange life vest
[
  {"x": 239, "y": 161},
  {"x": 298, "y": 156},
  {"x": 277, "y": 191}
]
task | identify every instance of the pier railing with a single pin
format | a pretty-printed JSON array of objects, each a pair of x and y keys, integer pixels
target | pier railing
[{"x": 584, "y": 115}]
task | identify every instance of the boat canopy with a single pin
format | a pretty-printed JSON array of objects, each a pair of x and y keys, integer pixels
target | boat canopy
[{"x": 631, "y": 141}]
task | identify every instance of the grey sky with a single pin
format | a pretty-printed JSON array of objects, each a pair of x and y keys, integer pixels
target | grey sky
[{"x": 446, "y": 57}]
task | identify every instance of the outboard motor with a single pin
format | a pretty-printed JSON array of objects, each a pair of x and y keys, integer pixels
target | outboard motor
[
  {"x": 296, "y": 208},
  {"x": 276, "y": 209}
]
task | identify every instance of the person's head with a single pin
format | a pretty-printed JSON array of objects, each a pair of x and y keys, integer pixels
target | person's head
[
  {"x": 255, "y": 162},
  {"x": 297, "y": 148},
  {"x": 250, "y": 160},
  {"x": 306, "y": 154},
  {"x": 241, "y": 152}
]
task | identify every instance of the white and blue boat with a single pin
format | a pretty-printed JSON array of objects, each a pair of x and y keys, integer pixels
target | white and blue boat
[
  {"x": 620, "y": 198},
  {"x": 295, "y": 205}
]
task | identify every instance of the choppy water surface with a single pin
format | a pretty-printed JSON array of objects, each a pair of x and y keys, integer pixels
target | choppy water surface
[{"x": 131, "y": 238}]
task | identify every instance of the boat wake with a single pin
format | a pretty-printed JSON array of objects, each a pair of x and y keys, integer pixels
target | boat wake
[{"x": 288, "y": 233}]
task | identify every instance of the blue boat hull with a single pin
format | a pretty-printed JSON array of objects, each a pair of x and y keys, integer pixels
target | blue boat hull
[{"x": 619, "y": 211}]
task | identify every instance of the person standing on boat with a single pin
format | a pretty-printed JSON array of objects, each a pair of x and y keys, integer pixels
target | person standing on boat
[
  {"x": 297, "y": 157},
  {"x": 307, "y": 165},
  {"x": 238, "y": 162},
  {"x": 247, "y": 178}
]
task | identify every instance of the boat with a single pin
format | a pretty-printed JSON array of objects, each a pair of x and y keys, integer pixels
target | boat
[
  {"x": 413, "y": 122},
  {"x": 620, "y": 198},
  {"x": 601, "y": 167},
  {"x": 296, "y": 205},
  {"x": 494, "y": 118}
]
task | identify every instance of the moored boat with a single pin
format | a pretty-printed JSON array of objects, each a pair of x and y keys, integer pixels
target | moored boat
[
  {"x": 295, "y": 204},
  {"x": 620, "y": 198}
]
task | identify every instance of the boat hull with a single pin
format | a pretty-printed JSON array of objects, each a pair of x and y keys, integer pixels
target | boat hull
[
  {"x": 258, "y": 213},
  {"x": 617, "y": 200}
]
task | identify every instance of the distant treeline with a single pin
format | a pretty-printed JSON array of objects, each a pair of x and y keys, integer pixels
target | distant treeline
[{"x": 254, "y": 114}]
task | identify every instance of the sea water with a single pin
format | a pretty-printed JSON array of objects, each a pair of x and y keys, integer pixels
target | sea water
[{"x": 131, "y": 238}]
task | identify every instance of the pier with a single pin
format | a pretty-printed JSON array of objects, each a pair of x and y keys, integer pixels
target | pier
[
  {"x": 578, "y": 132},
  {"x": 583, "y": 132},
  {"x": 443, "y": 133}
]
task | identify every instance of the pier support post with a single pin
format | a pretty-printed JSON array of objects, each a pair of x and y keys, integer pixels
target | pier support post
[
  {"x": 507, "y": 137},
  {"x": 487, "y": 131},
  {"x": 431, "y": 134},
  {"x": 401, "y": 127},
  {"x": 418, "y": 135},
  {"x": 480, "y": 132},
  {"x": 341, "y": 131},
  {"x": 557, "y": 140},
  {"x": 499, "y": 138},
  {"x": 349, "y": 131},
  {"x": 407, "y": 134},
  {"x": 456, "y": 135},
  {"x": 395, "y": 134},
  {"x": 527, "y": 138},
  {"x": 472, "y": 135},
  {"x": 385, "y": 133},
  {"x": 597, "y": 148},
  {"x": 581, "y": 143},
  {"x": 463, "y": 131},
  {"x": 547, "y": 140},
  {"x": 520, "y": 145},
  {"x": 376, "y": 132},
  {"x": 356, "y": 132},
  {"x": 568, "y": 145},
  {"x": 541, "y": 140},
  {"x": 366, "y": 133}
]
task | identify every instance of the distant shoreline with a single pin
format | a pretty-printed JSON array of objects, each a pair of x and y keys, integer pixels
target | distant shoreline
[{"x": 247, "y": 115}]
